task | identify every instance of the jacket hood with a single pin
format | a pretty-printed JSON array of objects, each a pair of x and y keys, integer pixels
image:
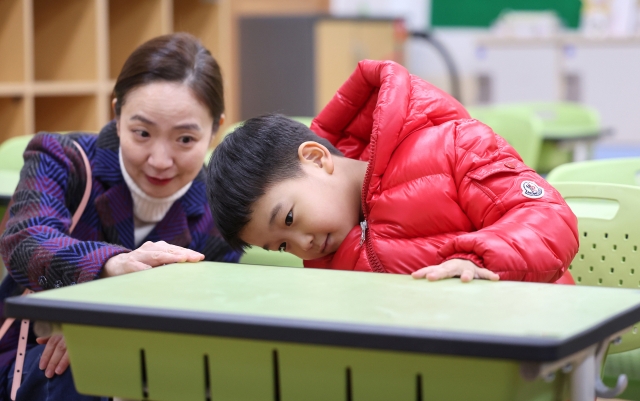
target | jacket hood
[{"x": 377, "y": 107}]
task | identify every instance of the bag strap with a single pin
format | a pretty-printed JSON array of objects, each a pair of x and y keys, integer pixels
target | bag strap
[
  {"x": 87, "y": 189},
  {"x": 83, "y": 203},
  {"x": 24, "y": 326},
  {"x": 22, "y": 350}
]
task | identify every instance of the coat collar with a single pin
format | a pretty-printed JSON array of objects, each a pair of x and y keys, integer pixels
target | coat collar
[{"x": 115, "y": 206}]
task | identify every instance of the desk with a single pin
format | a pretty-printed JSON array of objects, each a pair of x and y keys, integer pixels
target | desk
[
  {"x": 213, "y": 331},
  {"x": 577, "y": 141}
]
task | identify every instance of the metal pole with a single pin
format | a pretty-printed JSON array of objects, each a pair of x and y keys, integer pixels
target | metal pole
[{"x": 583, "y": 376}]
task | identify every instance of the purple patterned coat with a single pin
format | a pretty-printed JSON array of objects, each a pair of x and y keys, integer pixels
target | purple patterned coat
[{"x": 36, "y": 247}]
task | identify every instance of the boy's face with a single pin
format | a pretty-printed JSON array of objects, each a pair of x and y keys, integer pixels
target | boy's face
[{"x": 308, "y": 216}]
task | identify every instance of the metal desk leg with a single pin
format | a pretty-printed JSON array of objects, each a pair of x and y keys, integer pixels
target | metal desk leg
[
  {"x": 584, "y": 367},
  {"x": 583, "y": 377},
  {"x": 581, "y": 151}
]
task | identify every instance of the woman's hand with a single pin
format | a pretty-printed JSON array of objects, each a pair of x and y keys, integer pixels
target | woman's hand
[
  {"x": 462, "y": 268},
  {"x": 54, "y": 358},
  {"x": 149, "y": 255}
]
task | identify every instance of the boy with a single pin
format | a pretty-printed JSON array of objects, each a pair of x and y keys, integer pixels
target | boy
[{"x": 398, "y": 179}]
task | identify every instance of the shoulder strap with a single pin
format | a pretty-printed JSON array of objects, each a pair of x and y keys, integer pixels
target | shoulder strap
[{"x": 87, "y": 190}]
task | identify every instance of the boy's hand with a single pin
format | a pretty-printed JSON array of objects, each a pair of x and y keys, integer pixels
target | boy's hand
[{"x": 462, "y": 268}]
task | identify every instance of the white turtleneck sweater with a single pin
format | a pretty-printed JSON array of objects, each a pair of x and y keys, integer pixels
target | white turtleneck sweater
[{"x": 147, "y": 211}]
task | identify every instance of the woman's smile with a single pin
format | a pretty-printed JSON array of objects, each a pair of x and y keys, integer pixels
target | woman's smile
[{"x": 158, "y": 181}]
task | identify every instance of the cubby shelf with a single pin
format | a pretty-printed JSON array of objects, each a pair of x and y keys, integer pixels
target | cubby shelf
[
  {"x": 66, "y": 113},
  {"x": 132, "y": 23},
  {"x": 12, "y": 90},
  {"x": 12, "y": 68},
  {"x": 12, "y": 116},
  {"x": 65, "y": 40},
  {"x": 59, "y": 59}
]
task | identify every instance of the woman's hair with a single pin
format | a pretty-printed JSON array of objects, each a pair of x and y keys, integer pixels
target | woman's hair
[
  {"x": 260, "y": 153},
  {"x": 178, "y": 57}
]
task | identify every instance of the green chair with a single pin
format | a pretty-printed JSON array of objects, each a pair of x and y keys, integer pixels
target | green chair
[
  {"x": 569, "y": 130},
  {"x": 11, "y": 162},
  {"x": 258, "y": 256},
  {"x": 625, "y": 171},
  {"x": 609, "y": 255},
  {"x": 11, "y": 151},
  {"x": 522, "y": 130},
  {"x": 305, "y": 120}
]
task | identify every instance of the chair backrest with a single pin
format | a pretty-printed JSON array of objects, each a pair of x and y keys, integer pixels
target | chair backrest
[
  {"x": 11, "y": 151},
  {"x": 609, "y": 231},
  {"x": 259, "y": 256},
  {"x": 522, "y": 130},
  {"x": 304, "y": 120},
  {"x": 613, "y": 171}
]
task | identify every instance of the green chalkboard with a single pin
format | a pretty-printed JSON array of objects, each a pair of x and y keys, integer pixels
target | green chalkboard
[{"x": 482, "y": 13}]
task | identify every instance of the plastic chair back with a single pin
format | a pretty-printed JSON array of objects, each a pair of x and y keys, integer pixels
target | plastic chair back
[
  {"x": 258, "y": 256},
  {"x": 609, "y": 230},
  {"x": 612, "y": 171},
  {"x": 304, "y": 120},
  {"x": 11, "y": 151},
  {"x": 520, "y": 129}
]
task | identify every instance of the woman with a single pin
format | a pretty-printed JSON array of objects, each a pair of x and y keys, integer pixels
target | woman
[{"x": 147, "y": 205}]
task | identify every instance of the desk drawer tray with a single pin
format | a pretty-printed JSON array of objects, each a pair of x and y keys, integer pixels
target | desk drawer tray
[{"x": 138, "y": 364}]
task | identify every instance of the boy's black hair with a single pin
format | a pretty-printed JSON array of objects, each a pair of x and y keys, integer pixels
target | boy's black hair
[{"x": 261, "y": 152}]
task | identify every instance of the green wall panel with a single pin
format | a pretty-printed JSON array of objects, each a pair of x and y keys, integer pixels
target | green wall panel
[{"x": 482, "y": 13}]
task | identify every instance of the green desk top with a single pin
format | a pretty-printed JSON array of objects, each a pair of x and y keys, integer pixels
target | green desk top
[
  {"x": 571, "y": 134},
  {"x": 511, "y": 320}
]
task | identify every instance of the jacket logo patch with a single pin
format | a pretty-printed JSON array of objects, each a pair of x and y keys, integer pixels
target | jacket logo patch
[{"x": 532, "y": 190}]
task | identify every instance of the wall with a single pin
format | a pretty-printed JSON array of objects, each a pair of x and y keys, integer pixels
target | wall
[
  {"x": 618, "y": 107},
  {"x": 421, "y": 58}
]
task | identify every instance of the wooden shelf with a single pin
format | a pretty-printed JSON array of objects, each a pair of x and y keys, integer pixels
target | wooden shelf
[
  {"x": 59, "y": 58},
  {"x": 11, "y": 41},
  {"x": 131, "y": 23},
  {"x": 7, "y": 90},
  {"x": 199, "y": 18},
  {"x": 66, "y": 113},
  {"x": 341, "y": 43},
  {"x": 11, "y": 117},
  {"x": 66, "y": 88},
  {"x": 65, "y": 40}
]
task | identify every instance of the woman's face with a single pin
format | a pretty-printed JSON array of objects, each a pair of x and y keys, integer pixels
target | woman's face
[{"x": 164, "y": 132}]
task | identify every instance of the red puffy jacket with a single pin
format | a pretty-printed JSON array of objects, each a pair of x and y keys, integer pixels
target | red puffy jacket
[{"x": 439, "y": 185}]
